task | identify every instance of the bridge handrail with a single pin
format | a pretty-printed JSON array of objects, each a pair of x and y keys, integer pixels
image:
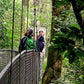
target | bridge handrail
[
  {"x": 14, "y": 61},
  {"x": 8, "y": 50},
  {"x": 8, "y": 65}
]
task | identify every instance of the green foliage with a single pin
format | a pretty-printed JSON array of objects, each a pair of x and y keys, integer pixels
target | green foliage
[
  {"x": 61, "y": 3},
  {"x": 72, "y": 73},
  {"x": 6, "y": 13},
  {"x": 80, "y": 3},
  {"x": 68, "y": 37},
  {"x": 6, "y": 10},
  {"x": 3, "y": 36}
]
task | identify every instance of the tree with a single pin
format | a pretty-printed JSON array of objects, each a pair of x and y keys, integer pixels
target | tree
[
  {"x": 64, "y": 41},
  {"x": 54, "y": 61},
  {"x": 77, "y": 11}
]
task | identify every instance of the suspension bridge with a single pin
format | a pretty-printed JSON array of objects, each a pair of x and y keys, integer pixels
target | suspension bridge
[{"x": 23, "y": 67}]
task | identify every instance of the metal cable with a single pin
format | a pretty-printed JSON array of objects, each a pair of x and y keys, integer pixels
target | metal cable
[
  {"x": 12, "y": 38},
  {"x": 34, "y": 18},
  {"x": 27, "y": 12},
  {"x": 34, "y": 60},
  {"x": 27, "y": 28},
  {"x": 20, "y": 39},
  {"x": 36, "y": 36}
]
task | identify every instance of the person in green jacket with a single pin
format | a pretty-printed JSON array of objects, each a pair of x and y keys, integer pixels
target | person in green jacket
[{"x": 27, "y": 42}]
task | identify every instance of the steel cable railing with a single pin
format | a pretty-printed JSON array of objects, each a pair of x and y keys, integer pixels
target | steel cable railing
[
  {"x": 28, "y": 59},
  {"x": 5, "y": 57}
]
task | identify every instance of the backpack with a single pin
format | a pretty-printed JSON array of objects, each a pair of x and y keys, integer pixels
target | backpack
[{"x": 30, "y": 43}]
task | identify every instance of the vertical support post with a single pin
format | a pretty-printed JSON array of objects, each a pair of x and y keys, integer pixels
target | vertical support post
[
  {"x": 10, "y": 80},
  {"x": 20, "y": 40}
]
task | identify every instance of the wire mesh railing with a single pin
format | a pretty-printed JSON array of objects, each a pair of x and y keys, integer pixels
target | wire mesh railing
[
  {"x": 5, "y": 57},
  {"x": 25, "y": 69}
]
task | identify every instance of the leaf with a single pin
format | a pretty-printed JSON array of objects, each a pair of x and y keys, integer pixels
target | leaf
[
  {"x": 59, "y": 46},
  {"x": 78, "y": 52},
  {"x": 64, "y": 30},
  {"x": 66, "y": 54}
]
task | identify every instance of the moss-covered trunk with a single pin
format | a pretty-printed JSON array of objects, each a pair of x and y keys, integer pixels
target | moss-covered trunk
[
  {"x": 54, "y": 60},
  {"x": 53, "y": 69}
]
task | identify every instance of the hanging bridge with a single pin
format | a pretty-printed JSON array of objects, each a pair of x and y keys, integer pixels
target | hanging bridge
[{"x": 23, "y": 67}]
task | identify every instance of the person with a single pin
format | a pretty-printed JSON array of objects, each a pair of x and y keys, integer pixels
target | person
[
  {"x": 40, "y": 47},
  {"x": 27, "y": 42},
  {"x": 40, "y": 42}
]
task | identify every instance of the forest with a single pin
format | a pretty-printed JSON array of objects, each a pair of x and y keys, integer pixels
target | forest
[{"x": 63, "y": 21}]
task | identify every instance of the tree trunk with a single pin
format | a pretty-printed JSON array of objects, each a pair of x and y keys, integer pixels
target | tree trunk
[
  {"x": 54, "y": 63},
  {"x": 54, "y": 60},
  {"x": 78, "y": 16}
]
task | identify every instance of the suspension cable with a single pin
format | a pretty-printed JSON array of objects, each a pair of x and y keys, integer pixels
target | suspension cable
[
  {"x": 26, "y": 29},
  {"x": 34, "y": 17},
  {"x": 27, "y": 12},
  {"x": 34, "y": 73},
  {"x": 20, "y": 39},
  {"x": 12, "y": 38}
]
